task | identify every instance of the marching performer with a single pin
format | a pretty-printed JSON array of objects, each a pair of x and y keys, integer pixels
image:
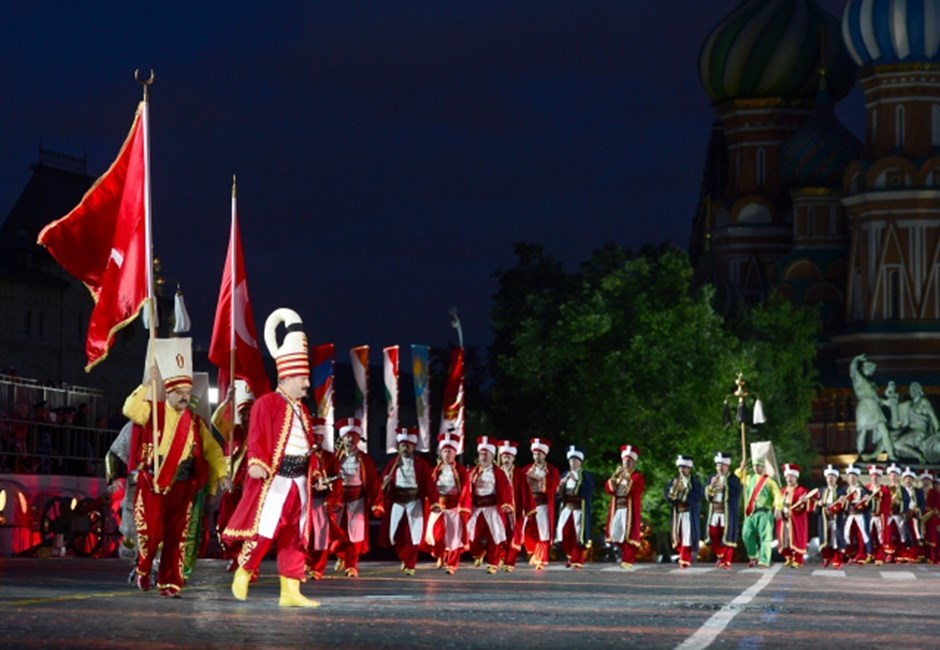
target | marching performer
[
  {"x": 912, "y": 506},
  {"x": 326, "y": 494},
  {"x": 762, "y": 505},
  {"x": 491, "y": 503},
  {"x": 880, "y": 513},
  {"x": 857, "y": 514},
  {"x": 187, "y": 458},
  {"x": 231, "y": 419},
  {"x": 684, "y": 494},
  {"x": 576, "y": 495},
  {"x": 507, "y": 463},
  {"x": 274, "y": 510},
  {"x": 793, "y": 526},
  {"x": 931, "y": 517},
  {"x": 362, "y": 494},
  {"x": 724, "y": 494},
  {"x": 626, "y": 487},
  {"x": 542, "y": 478},
  {"x": 832, "y": 505},
  {"x": 896, "y": 533},
  {"x": 406, "y": 485},
  {"x": 446, "y": 535}
]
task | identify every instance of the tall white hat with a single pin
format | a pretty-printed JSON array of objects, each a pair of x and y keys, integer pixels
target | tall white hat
[{"x": 291, "y": 355}]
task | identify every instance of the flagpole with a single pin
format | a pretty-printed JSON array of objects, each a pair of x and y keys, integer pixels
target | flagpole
[
  {"x": 231, "y": 346},
  {"x": 148, "y": 245}
]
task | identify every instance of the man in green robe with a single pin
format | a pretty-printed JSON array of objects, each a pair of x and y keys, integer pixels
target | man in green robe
[{"x": 763, "y": 503}]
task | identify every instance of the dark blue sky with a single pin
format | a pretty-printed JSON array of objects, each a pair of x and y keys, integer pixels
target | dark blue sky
[{"x": 388, "y": 154}]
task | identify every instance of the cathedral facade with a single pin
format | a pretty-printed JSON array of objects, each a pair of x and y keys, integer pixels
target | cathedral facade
[{"x": 793, "y": 202}]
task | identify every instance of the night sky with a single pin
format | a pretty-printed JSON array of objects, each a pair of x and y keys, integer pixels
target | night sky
[{"x": 388, "y": 155}]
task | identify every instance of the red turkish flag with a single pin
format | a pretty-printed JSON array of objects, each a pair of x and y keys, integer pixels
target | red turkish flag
[
  {"x": 102, "y": 242},
  {"x": 234, "y": 327}
]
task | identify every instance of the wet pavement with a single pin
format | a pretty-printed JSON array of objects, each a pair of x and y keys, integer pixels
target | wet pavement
[{"x": 87, "y": 603}]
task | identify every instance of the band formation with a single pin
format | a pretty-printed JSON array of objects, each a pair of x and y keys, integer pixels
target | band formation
[{"x": 282, "y": 492}]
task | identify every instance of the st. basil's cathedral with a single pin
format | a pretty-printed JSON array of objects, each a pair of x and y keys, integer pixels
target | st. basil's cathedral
[{"x": 793, "y": 202}]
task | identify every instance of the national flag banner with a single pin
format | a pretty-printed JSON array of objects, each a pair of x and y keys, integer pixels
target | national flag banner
[
  {"x": 104, "y": 242},
  {"x": 390, "y": 372},
  {"x": 452, "y": 416},
  {"x": 359, "y": 358},
  {"x": 420, "y": 363},
  {"x": 234, "y": 332},
  {"x": 323, "y": 360}
]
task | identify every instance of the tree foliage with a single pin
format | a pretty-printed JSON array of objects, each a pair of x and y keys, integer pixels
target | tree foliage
[{"x": 628, "y": 351}]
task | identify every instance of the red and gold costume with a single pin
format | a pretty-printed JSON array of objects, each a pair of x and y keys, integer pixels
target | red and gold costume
[
  {"x": 326, "y": 495},
  {"x": 516, "y": 478},
  {"x": 542, "y": 480},
  {"x": 880, "y": 505},
  {"x": 189, "y": 459},
  {"x": 362, "y": 494},
  {"x": 793, "y": 526},
  {"x": 491, "y": 501},
  {"x": 446, "y": 536},
  {"x": 276, "y": 508},
  {"x": 406, "y": 488},
  {"x": 626, "y": 488}
]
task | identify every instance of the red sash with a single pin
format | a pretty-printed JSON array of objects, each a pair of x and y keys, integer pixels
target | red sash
[
  {"x": 182, "y": 438},
  {"x": 757, "y": 488}
]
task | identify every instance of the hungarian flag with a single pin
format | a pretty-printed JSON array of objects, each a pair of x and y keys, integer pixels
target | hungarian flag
[
  {"x": 233, "y": 334},
  {"x": 452, "y": 417},
  {"x": 323, "y": 359},
  {"x": 103, "y": 243},
  {"x": 390, "y": 367}
]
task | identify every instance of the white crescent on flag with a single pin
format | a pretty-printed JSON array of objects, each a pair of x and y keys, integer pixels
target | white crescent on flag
[{"x": 241, "y": 300}]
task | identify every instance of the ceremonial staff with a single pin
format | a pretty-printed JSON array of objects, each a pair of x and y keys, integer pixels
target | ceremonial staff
[
  {"x": 741, "y": 394},
  {"x": 231, "y": 345},
  {"x": 148, "y": 246}
]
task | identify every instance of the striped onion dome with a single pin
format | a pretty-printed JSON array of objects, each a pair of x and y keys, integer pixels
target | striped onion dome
[
  {"x": 878, "y": 32},
  {"x": 774, "y": 48},
  {"x": 818, "y": 153}
]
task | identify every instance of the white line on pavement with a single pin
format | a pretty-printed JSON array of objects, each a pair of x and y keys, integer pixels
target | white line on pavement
[{"x": 714, "y": 626}]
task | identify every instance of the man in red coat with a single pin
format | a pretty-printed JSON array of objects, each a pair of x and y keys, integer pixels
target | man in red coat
[
  {"x": 542, "y": 479},
  {"x": 406, "y": 486},
  {"x": 231, "y": 419},
  {"x": 931, "y": 517},
  {"x": 362, "y": 494},
  {"x": 189, "y": 458},
  {"x": 880, "y": 511},
  {"x": 492, "y": 503},
  {"x": 793, "y": 526},
  {"x": 508, "y": 450},
  {"x": 625, "y": 487},
  {"x": 446, "y": 535},
  {"x": 327, "y": 497},
  {"x": 275, "y": 506}
]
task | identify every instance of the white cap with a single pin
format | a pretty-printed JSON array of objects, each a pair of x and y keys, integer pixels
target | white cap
[
  {"x": 407, "y": 434},
  {"x": 485, "y": 443},
  {"x": 349, "y": 425},
  {"x": 831, "y": 471},
  {"x": 540, "y": 444},
  {"x": 243, "y": 394},
  {"x": 575, "y": 453},
  {"x": 684, "y": 461},
  {"x": 448, "y": 439},
  {"x": 508, "y": 447},
  {"x": 909, "y": 472},
  {"x": 789, "y": 469},
  {"x": 852, "y": 469},
  {"x": 629, "y": 450},
  {"x": 174, "y": 359},
  {"x": 893, "y": 468},
  {"x": 722, "y": 458}
]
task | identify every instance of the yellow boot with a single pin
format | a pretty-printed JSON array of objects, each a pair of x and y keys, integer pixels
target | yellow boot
[
  {"x": 291, "y": 596},
  {"x": 240, "y": 584}
]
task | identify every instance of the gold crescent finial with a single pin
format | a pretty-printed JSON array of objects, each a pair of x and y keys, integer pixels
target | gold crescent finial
[{"x": 144, "y": 82}]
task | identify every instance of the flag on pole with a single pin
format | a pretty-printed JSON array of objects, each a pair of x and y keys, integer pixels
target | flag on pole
[
  {"x": 390, "y": 368},
  {"x": 452, "y": 416},
  {"x": 420, "y": 362},
  {"x": 234, "y": 333},
  {"x": 323, "y": 362},
  {"x": 103, "y": 243},
  {"x": 359, "y": 358}
]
